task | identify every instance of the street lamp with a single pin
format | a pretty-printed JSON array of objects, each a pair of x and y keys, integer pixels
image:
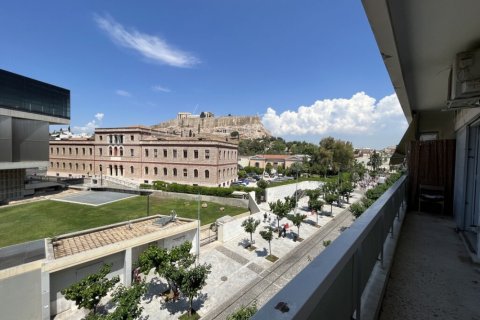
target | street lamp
[
  {"x": 296, "y": 194},
  {"x": 198, "y": 223}
]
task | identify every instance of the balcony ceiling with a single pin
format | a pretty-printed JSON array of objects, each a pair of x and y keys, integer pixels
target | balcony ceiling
[{"x": 418, "y": 40}]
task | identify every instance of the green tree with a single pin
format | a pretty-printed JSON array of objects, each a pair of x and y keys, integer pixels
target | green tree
[
  {"x": 242, "y": 174},
  {"x": 250, "y": 225},
  {"x": 88, "y": 292},
  {"x": 244, "y": 312},
  {"x": 128, "y": 302},
  {"x": 234, "y": 134},
  {"x": 297, "y": 220},
  {"x": 345, "y": 189},
  {"x": 192, "y": 281},
  {"x": 375, "y": 161},
  {"x": 280, "y": 209},
  {"x": 262, "y": 184},
  {"x": 357, "y": 209},
  {"x": 268, "y": 168},
  {"x": 330, "y": 198},
  {"x": 267, "y": 235},
  {"x": 167, "y": 263}
]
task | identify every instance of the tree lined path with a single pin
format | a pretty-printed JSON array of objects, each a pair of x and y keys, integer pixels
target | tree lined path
[{"x": 271, "y": 280}]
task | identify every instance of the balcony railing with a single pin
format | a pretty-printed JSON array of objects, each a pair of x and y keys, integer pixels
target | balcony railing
[{"x": 331, "y": 286}]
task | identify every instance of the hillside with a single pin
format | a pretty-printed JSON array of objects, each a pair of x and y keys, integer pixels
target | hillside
[{"x": 186, "y": 124}]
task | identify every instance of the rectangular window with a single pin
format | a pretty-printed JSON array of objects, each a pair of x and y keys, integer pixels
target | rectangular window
[
  {"x": 91, "y": 167},
  {"x": 101, "y": 151},
  {"x": 132, "y": 138},
  {"x": 91, "y": 151},
  {"x": 131, "y": 153},
  {"x": 69, "y": 150},
  {"x": 76, "y": 151},
  {"x": 195, "y": 154},
  {"x": 83, "y": 151},
  {"x": 207, "y": 154},
  {"x": 175, "y": 153},
  {"x": 155, "y": 153},
  {"x": 101, "y": 138},
  {"x": 185, "y": 153},
  {"x": 165, "y": 153},
  {"x": 51, "y": 150},
  {"x": 185, "y": 172},
  {"x": 146, "y": 153}
]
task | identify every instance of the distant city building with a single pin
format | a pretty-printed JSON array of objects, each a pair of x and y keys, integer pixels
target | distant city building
[
  {"x": 27, "y": 108},
  {"x": 146, "y": 155},
  {"x": 284, "y": 160}
]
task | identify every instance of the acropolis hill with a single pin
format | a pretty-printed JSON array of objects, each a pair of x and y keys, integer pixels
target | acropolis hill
[{"x": 187, "y": 124}]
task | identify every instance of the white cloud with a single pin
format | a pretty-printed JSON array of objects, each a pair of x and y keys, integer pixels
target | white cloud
[
  {"x": 123, "y": 93},
  {"x": 160, "y": 88},
  {"x": 360, "y": 114},
  {"x": 99, "y": 116},
  {"x": 89, "y": 128},
  {"x": 151, "y": 47}
]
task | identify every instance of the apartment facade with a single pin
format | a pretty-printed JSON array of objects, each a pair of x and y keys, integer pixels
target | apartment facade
[
  {"x": 284, "y": 160},
  {"x": 27, "y": 108},
  {"x": 146, "y": 155}
]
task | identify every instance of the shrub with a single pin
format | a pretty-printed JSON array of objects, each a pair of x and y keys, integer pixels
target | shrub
[{"x": 357, "y": 209}]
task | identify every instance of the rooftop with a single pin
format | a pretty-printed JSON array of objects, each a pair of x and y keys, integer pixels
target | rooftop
[{"x": 74, "y": 243}]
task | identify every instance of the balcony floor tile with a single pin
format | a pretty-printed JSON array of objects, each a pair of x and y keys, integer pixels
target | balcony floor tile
[{"x": 432, "y": 275}]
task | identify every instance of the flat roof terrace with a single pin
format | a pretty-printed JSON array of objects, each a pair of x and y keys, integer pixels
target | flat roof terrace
[{"x": 78, "y": 242}]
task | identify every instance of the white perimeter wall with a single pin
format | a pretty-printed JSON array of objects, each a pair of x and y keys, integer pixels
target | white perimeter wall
[{"x": 280, "y": 192}]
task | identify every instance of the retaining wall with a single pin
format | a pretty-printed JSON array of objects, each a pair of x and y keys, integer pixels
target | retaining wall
[
  {"x": 242, "y": 203},
  {"x": 275, "y": 193}
]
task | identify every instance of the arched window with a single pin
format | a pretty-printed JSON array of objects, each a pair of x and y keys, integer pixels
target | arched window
[
  {"x": 207, "y": 174},
  {"x": 121, "y": 152},
  {"x": 115, "y": 151},
  {"x": 131, "y": 170},
  {"x": 195, "y": 173},
  {"x": 155, "y": 170},
  {"x": 165, "y": 172},
  {"x": 110, "y": 151},
  {"x": 76, "y": 166},
  {"x": 174, "y": 172},
  {"x": 146, "y": 170}
]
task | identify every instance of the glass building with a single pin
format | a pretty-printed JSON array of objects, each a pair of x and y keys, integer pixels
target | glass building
[{"x": 27, "y": 108}]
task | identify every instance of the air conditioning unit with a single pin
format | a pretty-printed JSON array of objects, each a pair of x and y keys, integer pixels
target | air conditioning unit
[{"x": 465, "y": 80}]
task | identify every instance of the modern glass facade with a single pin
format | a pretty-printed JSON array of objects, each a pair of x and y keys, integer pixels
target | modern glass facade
[{"x": 25, "y": 94}]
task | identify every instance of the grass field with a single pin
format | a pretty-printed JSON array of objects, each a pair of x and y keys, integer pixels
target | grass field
[{"x": 48, "y": 218}]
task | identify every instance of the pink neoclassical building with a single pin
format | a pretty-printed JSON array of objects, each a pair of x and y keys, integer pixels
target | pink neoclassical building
[{"x": 146, "y": 155}]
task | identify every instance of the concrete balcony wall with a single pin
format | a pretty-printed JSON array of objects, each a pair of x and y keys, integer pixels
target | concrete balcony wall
[{"x": 332, "y": 285}]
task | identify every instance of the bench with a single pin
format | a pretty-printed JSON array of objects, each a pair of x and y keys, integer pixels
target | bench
[{"x": 432, "y": 195}]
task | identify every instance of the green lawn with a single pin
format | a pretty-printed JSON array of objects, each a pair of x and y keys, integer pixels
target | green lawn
[{"x": 48, "y": 218}]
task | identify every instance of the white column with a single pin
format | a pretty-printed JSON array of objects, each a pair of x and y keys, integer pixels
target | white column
[
  {"x": 128, "y": 267},
  {"x": 45, "y": 287}
]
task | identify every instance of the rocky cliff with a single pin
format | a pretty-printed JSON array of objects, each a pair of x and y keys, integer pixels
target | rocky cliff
[{"x": 248, "y": 127}]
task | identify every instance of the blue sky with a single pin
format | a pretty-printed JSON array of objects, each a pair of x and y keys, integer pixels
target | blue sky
[{"x": 309, "y": 69}]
